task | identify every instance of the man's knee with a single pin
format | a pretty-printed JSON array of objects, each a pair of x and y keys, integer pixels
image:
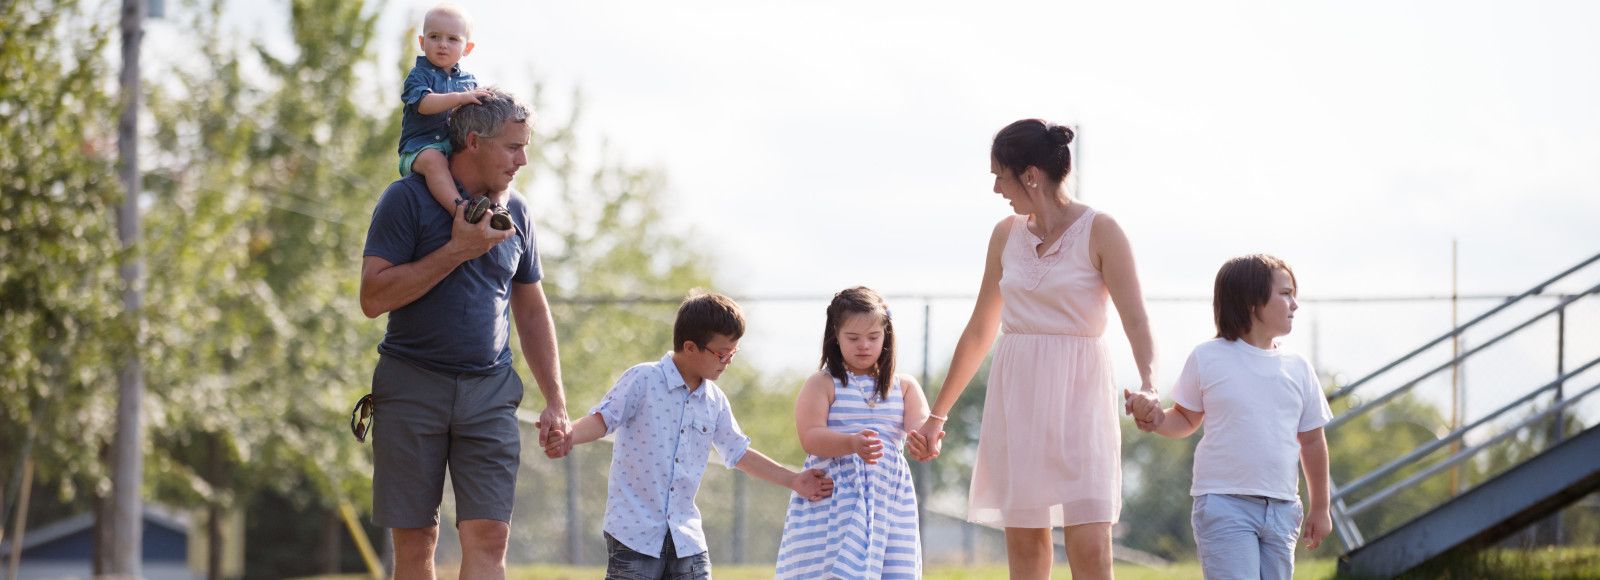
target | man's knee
[
  {"x": 484, "y": 536},
  {"x": 415, "y": 543}
]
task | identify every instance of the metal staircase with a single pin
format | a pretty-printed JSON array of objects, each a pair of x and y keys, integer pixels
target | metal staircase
[{"x": 1564, "y": 470}]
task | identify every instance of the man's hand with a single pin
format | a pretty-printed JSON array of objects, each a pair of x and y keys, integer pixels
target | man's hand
[
  {"x": 1316, "y": 528},
  {"x": 553, "y": 431},
  {"x": 867, "y": 445},
  {"x": 812, "y": 484},
  {"x": 473, "y": 240}
]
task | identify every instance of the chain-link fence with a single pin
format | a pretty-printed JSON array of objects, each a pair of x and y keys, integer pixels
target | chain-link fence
[{"x": 561, "y": 503}]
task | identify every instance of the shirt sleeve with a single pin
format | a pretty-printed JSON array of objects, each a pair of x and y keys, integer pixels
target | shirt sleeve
[
  {"x": 393, "y": 232},
  {"x": 1314, "y": 411},
  {"x": 729, "y": 441},
  {"x": 416, "y": 87},
  {"x": 529, "y": 267},
  {"x": 1187, "y": 391},
  {"x": 624, "y": 399}
]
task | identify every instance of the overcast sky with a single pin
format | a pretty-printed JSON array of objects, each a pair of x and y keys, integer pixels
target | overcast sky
[{"x": 819, "y": 145}]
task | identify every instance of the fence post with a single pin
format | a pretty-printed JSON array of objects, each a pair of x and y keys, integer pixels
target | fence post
[
  {"x": 919, "y": 468},
  {"x": 574, "y": 520},
  {"x": 1551, "y": 531},
  {"x": 738, "y": 516}
]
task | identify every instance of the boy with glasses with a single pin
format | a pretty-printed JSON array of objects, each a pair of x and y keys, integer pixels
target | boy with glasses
[{"x": 667, "y": 416}]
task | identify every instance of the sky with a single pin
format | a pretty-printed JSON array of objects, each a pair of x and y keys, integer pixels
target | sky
[{"x": 820, "y": 145}]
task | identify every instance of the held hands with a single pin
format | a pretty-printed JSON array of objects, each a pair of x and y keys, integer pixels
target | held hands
[
  {"x": 475, "y": 240},
  {"x": 812, "y": 484},
  {"x": 1145, "y": 407},
  {"x": 867, "y": 445},
  {"x": 925, "y": 442},
  {"x": 1316, "y": 528},
  {"x": 555, "y": 433}
]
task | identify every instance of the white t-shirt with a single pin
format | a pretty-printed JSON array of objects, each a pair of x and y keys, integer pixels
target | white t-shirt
[{"x": 1256, "y": 402}]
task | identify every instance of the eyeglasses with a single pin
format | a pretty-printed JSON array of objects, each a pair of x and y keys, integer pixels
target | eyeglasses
[
  {"x": 361, "y": 418},
  {"x": 722, "y": 357}
]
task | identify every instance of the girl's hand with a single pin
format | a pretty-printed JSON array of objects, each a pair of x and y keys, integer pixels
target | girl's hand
[
  {"x": 921, "y": 449},
  {"x": 812, "y": 484},
  {"x": 1145, "y": 407},
  {"x": 926, "y": 441},
  {"x": 867, "y": 445}
]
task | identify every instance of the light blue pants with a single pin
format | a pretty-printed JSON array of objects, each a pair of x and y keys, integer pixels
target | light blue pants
[{"x": 1246, "y": 536}]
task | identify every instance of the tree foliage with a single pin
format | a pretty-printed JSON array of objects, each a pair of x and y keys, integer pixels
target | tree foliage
[{"x": 60, "y": 296}]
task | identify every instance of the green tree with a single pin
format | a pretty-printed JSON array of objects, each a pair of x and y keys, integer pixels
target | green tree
[
  {"x": 60, "y": 304},
  {"x": 258, "y": 203}
]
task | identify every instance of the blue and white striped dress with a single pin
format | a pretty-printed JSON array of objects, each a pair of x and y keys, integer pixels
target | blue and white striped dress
[{"x": 868, "y": 527}]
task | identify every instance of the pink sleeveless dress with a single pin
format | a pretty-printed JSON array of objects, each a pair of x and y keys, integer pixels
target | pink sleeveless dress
[{"x": 1049, "y": 448}]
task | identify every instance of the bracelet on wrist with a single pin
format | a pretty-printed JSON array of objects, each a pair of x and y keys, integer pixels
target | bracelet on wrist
[{"x": 944, "y": 418}]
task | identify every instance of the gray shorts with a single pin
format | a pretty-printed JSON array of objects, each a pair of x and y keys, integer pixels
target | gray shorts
[
  {"x": 1245, "y": 536},
  {"x": 424, "y": 420}
]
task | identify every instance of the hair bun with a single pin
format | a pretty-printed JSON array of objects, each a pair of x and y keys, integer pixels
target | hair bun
[{"x": 1060, "y": 134}]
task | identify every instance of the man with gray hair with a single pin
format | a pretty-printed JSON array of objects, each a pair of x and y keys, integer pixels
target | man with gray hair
[{"x": 445, "y": 393}]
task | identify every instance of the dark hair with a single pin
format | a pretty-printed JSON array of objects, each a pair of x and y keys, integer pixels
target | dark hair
[
  {"x": 485, "y": 118},
  {"x": 858, "y": 300},
  {"x": 1244, "y": 284},
  {"x": 1034, "y": 143},
  {"x": 704, "y": 314}
]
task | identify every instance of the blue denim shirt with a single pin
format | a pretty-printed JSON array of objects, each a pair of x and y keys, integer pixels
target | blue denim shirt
[
  {"x": 417, "y": 129},
  {"x": 664, "y": 436}
]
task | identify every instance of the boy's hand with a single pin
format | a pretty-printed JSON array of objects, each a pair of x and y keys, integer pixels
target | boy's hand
[
  {"x": 557, "y": 445},
  {"x": 867, "y": 445},
  {"x": 554, "y": 430},
  {"x": 1317, "y": 526},
  {"x": 473, "y": 240},
  {"x": 1145, "y": 407},
  {"x": 472, "y": 97},
  {"x": 921, "y": 449},
  {"x": 812, "y": 484}
]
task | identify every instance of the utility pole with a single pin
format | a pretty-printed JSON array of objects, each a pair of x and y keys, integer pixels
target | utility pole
[{"x": 127, "y": 474}]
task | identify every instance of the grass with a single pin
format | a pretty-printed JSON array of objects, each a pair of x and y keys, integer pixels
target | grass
[
  {"x": 1306, "y": 569},
  {"x": 1571, "y": 562},
  {"x": 1543, "y": 563}
]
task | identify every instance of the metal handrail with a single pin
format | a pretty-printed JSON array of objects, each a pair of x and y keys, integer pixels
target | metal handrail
[
  {"x": 1434, "y": 445},
  {"x": 1358, "y": 410},
  {"x": 1463, "y": 455},
  {"x": 1344, "y": 521},
  {"x": 1537, "y": 289}
]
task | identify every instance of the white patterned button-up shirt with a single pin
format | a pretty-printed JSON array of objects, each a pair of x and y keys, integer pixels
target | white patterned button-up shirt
[{"x": 664, "y": 435}]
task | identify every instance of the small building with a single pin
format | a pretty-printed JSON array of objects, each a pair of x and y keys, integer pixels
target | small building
[{"x": 65, "y": 548}]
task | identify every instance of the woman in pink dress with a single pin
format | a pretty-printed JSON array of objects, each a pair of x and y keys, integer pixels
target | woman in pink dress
[{"x": 1049, "y": 450}]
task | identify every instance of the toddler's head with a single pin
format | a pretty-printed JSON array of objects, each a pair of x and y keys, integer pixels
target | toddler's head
[{"x": 446, "y": 35}]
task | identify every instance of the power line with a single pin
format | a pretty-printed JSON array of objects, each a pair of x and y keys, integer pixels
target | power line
[{"x": 603, "y": 300}]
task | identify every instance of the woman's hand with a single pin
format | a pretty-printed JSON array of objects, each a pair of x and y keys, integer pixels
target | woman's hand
[{"x": 926, "y": 441}]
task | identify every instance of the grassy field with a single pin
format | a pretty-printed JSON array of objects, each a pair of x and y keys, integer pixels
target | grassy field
[
  {"x": 1552, "y": 563},
  {"x": 1310, "y": 569}
]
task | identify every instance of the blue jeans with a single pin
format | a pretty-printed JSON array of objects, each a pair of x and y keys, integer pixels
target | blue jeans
[
  {"x": 625, "y": 564},
  {"x": 1246, "y": 536}
]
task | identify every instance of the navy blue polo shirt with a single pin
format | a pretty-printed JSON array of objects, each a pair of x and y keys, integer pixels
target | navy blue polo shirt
[
  {"x": 417, "y": 129},
  {"x": 461, "y": 324}
]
